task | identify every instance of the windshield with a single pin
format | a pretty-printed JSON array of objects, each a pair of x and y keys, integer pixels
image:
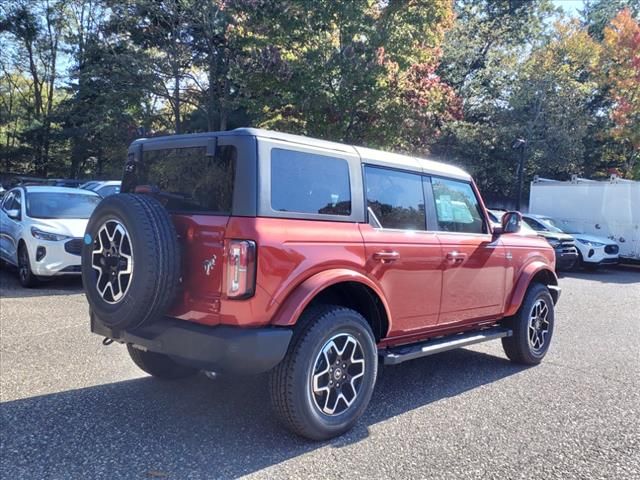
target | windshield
[
  {"x": 60, "y": 205},
  {"x": 551, "y": 224}
]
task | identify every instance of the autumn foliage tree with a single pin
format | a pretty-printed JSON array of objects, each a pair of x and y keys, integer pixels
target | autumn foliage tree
[
  {"x": 620, "y": 76},
  {"x": 361, "y": 72},
  {"x": 458, "y": 80}
]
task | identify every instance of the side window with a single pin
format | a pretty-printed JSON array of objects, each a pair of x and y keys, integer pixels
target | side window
[
  {"x": 457, "y": 207},
  {"x": 12, "y": 202},
  {"x": 533, "y": 224},
  {"x": 396, "y": 198},
  {"x": 17, "y": 202},
  {"x": 109, "y": 190},
  {"x": 8, "y": 201},
  {"x": 309, "y": 183}
]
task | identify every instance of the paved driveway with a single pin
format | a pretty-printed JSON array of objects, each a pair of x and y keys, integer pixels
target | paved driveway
[{"x": 72, "y": 408}]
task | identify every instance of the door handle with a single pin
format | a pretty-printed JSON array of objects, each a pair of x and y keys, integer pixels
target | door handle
[
  {"x": 386, "y": 257},
  {"x": 456, "y": 257}
]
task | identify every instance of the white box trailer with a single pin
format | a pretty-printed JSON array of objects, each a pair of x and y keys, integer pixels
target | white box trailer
[{"x": 605, "y": 208}]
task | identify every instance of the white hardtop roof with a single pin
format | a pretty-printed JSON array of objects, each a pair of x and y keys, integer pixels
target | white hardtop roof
[
  {"x": 368, "y": 155},
  {"x": 396, "y": 160}
]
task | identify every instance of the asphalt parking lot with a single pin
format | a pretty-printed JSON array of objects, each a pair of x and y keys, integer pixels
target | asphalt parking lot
[{"x": 72, "y": 408}]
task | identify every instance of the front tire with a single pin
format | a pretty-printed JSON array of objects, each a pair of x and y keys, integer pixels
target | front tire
[
  {"x": 325, "y": 382},
  {"x": 25, "y": 274},
  {"x": 159, "y": 365},
  {"x": 532, "y": 327}
]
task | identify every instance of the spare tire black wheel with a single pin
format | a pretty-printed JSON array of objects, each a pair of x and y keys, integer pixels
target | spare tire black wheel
[{"x": 130, "y": 260}]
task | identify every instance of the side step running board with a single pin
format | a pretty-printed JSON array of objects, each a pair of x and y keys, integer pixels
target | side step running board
[{"x": 393, "y": 356}]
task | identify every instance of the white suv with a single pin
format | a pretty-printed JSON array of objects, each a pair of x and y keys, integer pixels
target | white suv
[
  {"x": 41, "y": 230},
  {"x": 593, "y": 251}
]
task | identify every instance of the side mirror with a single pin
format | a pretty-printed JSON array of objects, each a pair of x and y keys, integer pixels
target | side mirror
[
  {"x": 14, "y": 214},
  {"x": 511, "y": 222}
]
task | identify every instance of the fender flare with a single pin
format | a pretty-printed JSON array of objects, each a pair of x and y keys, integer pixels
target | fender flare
[
  {"x": 524, "y": 280},
  {"x": 297, "y": 300}
]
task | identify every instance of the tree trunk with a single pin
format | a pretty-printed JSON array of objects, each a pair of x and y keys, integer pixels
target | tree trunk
[
  {"x": 224, "y": 111},
  {"x": 212, "y": 124},
  {"x": 176, "y": 101}
]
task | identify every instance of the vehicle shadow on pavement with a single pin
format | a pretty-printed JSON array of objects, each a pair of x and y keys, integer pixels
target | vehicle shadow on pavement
[
  {"x": 10, "y": 286},
  {"x": 620, "y": 275},
  {"x": 200, "y": 428}
]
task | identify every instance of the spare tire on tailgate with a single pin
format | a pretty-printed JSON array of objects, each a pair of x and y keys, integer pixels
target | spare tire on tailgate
[{"x": 130, "y": 260}]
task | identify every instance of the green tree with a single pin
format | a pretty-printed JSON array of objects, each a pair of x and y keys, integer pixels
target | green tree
[
  {"x": 161, "y": 31},
  {"x": 483, "y": 55},
  {"x": 33, "y": 31},
  {"x": 550, "y": 101},
  {"x": 361, "y": 71}
]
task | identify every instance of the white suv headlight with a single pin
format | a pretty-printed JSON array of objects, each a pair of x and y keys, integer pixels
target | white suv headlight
[
  {"x": 591, "y": 244},
  {"x": 49, "y": 236}
]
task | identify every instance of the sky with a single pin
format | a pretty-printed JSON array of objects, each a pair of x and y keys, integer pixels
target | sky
[{"x": 571, "y": 7}]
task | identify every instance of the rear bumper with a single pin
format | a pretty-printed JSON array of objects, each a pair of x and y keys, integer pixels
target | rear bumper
[{"x": 220, "y": 349}]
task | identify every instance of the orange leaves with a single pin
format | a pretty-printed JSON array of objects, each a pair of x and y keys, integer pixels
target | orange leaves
[{"x": 620, "y": 66}]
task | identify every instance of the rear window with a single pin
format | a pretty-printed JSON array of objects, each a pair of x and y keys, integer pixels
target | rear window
[
  {"x": 190, "y": 181},
  {"x": 308, "y": 183}
]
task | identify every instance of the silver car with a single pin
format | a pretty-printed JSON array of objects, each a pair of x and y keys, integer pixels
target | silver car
[
  {"x": 104, "y": 189},
  {"x": 41, "y": 230}
]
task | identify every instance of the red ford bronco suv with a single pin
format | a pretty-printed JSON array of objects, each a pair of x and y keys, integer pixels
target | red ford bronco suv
[{"x": 251, "y": 251}]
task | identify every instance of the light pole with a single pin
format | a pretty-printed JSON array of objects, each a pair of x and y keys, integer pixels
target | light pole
[{"x": 520, "y": 144}]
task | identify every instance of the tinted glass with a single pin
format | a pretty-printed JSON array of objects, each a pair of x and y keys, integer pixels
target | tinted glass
[
  {"x": 551, "y": 225},
  {"x": 60, "y": 205},
  {"x": 7, "y": 201},
  {"x": 457, "y": 207},
  {"x": 309, "y": 183},
  {"x": 17, "y": 201},
  {"x": 108, "y": 190},
  {"x": 187, "y": 180},
  {"x": 533, "y": 224},
  {"x": 396, "y": 198}
]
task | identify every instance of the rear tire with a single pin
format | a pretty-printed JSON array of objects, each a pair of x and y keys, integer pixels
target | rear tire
[
  {"x": 159, "y": 365},
  {"x": 25, "y": 275},
  {"x": 532, "y": 327},
  {"x": 325, "y": 382}
]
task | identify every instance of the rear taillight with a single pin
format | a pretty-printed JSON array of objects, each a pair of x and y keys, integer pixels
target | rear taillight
[{"x": 241, "y": 268}]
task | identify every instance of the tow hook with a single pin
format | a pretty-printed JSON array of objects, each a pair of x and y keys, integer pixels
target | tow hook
[{"x": 107, "y": 341}]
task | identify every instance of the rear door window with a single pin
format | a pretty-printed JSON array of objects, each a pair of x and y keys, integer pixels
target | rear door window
[
  {"x": 396, "y": 198},
  {"x": 190, "y": 181},
  {"x": 305, "y": 182}
]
